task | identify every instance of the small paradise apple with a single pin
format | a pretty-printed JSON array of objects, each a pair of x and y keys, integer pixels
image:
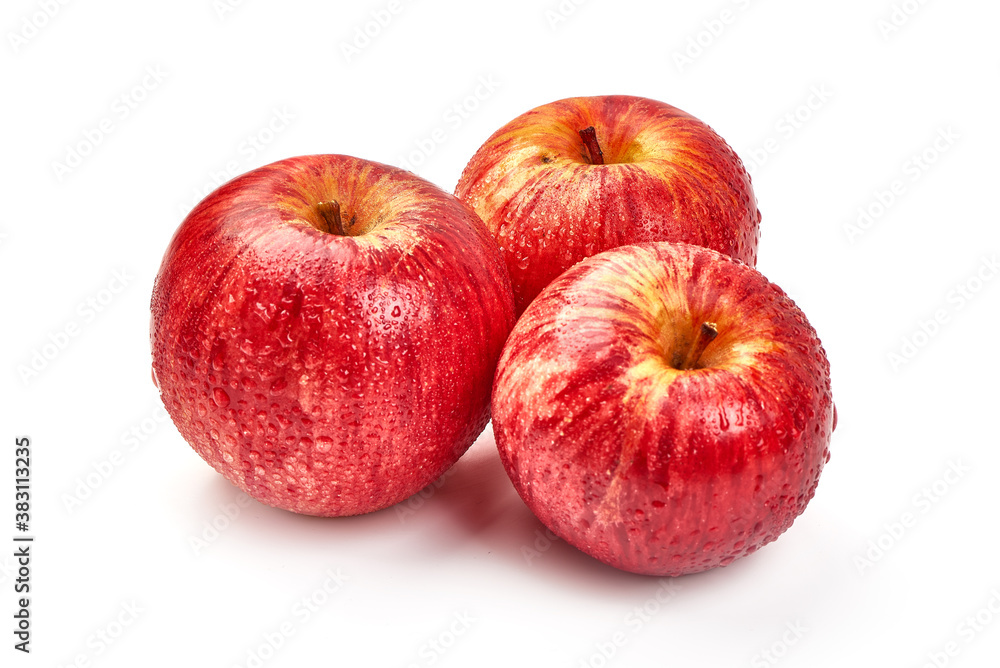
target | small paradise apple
[
  {"x": 325, "y": 331},
  {"x": 664, "y": 408},
  {"x": 579, "y": 176}
]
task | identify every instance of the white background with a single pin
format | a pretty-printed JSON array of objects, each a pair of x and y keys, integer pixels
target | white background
[{"x": 848, "y": 584}]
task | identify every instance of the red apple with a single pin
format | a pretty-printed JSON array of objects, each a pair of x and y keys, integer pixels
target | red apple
[
  {"x": 325, "y": 331},
  {"x": 664, "y": 408},
  {"x": 587, "y": 174}
]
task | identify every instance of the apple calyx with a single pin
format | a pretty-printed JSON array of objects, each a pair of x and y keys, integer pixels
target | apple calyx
[
  {"x": 706, "y": 334},
  {"x": 589, "y": 137},
  {"x": 329, "y": 213}
]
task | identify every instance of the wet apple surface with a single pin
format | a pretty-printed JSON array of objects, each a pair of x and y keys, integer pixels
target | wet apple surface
[
  {"x": 664, "y": 408},
  {"x": 579, "y": 176},
  {"x": 325, "y": 331}
]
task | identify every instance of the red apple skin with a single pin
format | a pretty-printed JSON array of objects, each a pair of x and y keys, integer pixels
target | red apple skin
[
  {"x": 647, "y": 467},
  {"x": 321, "y": 373},
  {"x": 667, "y": 177}
]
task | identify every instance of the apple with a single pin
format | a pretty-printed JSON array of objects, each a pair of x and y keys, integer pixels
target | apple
[
  {"x": 325, "y": 331},
  {"x": 575, "y": 177},
  {"x": 664, "y": 408}
]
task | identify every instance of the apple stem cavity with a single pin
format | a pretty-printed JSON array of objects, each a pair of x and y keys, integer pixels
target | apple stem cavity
[
  {"x": 706, "y": 334},
  {"x": 329, "y": 213},
  {"x": 589, "y": 137}
]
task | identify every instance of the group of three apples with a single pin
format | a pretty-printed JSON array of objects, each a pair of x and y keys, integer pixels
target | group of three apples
[{"x": 332, "y": 334}]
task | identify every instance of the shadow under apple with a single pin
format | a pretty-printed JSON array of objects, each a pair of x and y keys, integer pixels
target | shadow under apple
[{"x": 472, "y": 511}]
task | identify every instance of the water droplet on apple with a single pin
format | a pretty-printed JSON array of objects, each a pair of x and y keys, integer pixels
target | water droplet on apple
[
  {"x": 220, "y": 397},
  {"x": 323, "y": 443}
]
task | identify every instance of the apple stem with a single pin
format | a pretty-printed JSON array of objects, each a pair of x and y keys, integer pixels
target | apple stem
[
  {"x": 589, "y": 137},
  {"x": 706, "y": 335},
  {"x": 329, "y": 211}
]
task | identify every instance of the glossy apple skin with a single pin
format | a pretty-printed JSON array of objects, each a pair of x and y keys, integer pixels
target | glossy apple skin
[
  {"x": 329, "y": 375},
  {"x": 667, "y": 177},
  {"x": 649, "y": 468}
]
